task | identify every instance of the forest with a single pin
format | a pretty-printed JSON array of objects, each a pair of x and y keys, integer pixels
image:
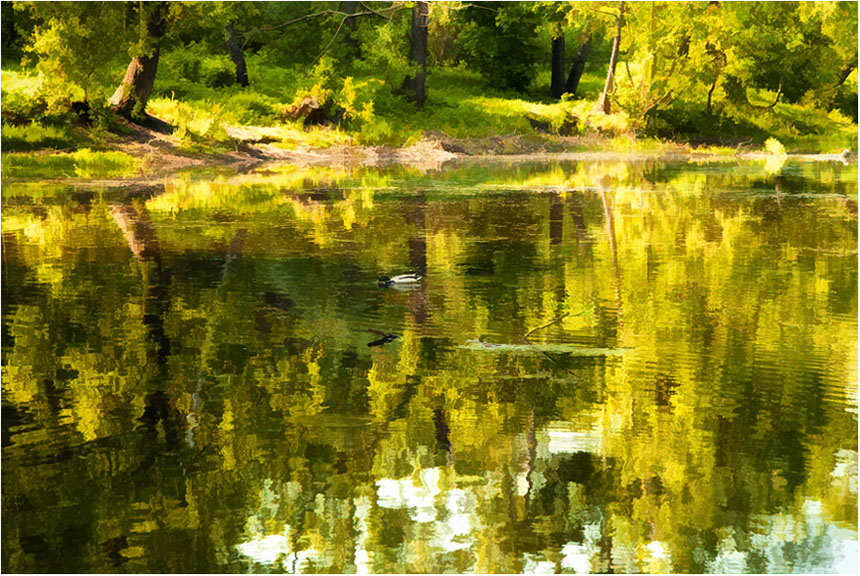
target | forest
[{"x": 473, "y": 78}]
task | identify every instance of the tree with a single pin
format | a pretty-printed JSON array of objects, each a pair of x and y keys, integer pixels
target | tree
[
  {"x": 236, "y": 56},
  {"x": 501, "y": 42},
  {"x": 131, "y": 95},
  {"x": 68, "y": 43},
  {"x": 578, "y": 67},
  {"x": 418, "y": 53},
  {"x": 557, "y": 85},
  {"x": 604, "y": 102}
]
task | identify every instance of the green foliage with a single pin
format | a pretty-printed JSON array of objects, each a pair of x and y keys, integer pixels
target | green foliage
[
  {"x": 22, "y": 96},
  {"x": 500, "y": 41},
  {"x": 200, "y": 128},
  {"x": 70, "y": 45},
  {"x": 197, "y": 64},
  {"x": 16, "y": 30},
  {"x": 688, "y": 70},
  {"x": 774, "y": 147}
]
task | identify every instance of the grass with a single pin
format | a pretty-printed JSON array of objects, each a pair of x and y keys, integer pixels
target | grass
[
  {"x": 83, "y": 163},
  {"x": 210, "y": 115},
  {"x": 35, "y": 136}
]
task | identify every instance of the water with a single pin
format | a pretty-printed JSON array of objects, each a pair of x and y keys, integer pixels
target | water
[{"x": 609, "y": 366}]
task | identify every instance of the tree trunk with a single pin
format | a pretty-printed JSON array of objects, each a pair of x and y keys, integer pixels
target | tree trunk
[
  {"x": 236, "y": 56},
  {"x": 350, "y": 7},
  {"x": 577, "y": 68},
  {"x": 604, "y": 102},
  {"x": 131, "y": 95},
  {"x": 845, "y": 73},
  {"x": 711, "y": 93},
  {"x": 557, "y": 82},
  {"x": 418, "y": 53}
]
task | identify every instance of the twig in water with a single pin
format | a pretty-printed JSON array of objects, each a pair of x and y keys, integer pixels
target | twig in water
[
  {"x": 559, "y": 319},
  {"x": 555, "y": 321}
]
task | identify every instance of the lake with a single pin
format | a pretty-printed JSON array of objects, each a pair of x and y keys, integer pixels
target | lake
[{"x": 607, "y": 366}]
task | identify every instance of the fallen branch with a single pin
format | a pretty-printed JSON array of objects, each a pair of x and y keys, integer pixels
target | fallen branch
[{"x": 548, "y": 324}]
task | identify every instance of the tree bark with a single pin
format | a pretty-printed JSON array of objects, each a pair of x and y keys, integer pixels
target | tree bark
[
  {"x": 557, "y": 82},
  {"x": 418, "y": 53},
  {"x": 577, "y": 68},
  {"x": 845, "y": 73},
  {"x": 131, "y": 95},
  {"x": 604, "y": 102},
  {"x": 711, "y": 93},
  {"x": 350, "y": 7},
  {"x": 236, "y": 56}
]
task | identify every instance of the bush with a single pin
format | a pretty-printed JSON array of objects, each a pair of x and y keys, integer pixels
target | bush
[{"x": 774, "y": 147}]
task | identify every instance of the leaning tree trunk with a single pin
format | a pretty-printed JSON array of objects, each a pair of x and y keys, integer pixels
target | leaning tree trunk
[
  {"x": 418, "y": 53},
  {"x": 604, "y": 103},
  {"x": 577, "y": 68},
  {"x": 557, "y": 82},
  {"x": 845, "y": 73},
  {"x": 131, "y": 95},
  {"x": 236, "y": 56}
]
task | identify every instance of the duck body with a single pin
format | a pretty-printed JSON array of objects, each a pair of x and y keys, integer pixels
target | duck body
[
  {"x": 385, "y": 337},
  {"x": 400, "y": 279}
]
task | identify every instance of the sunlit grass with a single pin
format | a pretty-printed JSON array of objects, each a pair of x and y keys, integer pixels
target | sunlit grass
[
  {"x": 83, "y": 163},
  {"x": 35, "y": 136}
]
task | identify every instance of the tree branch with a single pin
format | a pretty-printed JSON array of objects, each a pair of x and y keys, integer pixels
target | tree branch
[
  {"x": 371, "y": 10},
  {"x": 247, "y": 35},
  {"x": 555, "y": 321},
  {"x": 347, "y": 17},
  {"x": 330, "y": 42}
]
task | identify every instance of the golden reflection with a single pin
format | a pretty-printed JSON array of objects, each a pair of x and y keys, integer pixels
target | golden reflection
[{"x": 607, "y": 366}]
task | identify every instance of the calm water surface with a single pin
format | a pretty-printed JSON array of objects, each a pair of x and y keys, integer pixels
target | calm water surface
[{"x": 609, "y": 366}]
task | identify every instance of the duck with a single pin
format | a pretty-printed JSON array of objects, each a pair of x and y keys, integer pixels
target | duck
[
  {"x": 385, "y": 281},
  {"x": 386, "y": 337}
]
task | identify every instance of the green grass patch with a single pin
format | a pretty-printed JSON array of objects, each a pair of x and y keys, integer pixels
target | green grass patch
[
  {"x": 83, "y": 163},
  {"x": 35, "y": 136}
]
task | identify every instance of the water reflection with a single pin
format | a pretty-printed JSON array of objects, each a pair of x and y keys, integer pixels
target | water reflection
[{"x": 642, "y": 367}]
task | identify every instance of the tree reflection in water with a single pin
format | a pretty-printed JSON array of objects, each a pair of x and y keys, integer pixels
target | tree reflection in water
[{"x": 187, "y": 385}]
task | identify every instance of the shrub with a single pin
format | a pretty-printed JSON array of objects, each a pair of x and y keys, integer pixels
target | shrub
[{"x": 774, "y": 147}]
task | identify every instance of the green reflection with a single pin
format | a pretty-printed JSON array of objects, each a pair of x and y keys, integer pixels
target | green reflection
[{"x": 608, "y": 367}]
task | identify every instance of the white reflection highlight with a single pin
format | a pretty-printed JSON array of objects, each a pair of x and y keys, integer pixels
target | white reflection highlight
[
  {"x": 404, "y": 493},
  {"x": 268, "y": 549},
  {"x": 576, "y": 557},
  {"x": 265, "y": 549},
  {"x": 426, "y": 503},
  {"x": 564, "y": 438}
]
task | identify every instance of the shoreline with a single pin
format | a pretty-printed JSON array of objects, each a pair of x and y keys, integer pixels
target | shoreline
[{"x": 159, "y": 154}]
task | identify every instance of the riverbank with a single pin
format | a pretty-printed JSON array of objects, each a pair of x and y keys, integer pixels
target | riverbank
[
  {"x": 146, "y": 152},
  {"x": 200, "y": 126}
]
